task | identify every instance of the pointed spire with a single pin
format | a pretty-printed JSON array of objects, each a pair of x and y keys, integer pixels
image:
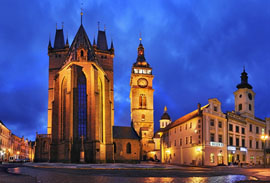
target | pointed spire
[
  {"x": 94, "y": 41},
  {"x": 50, "y": 44},
  {"x": 140, "y": 57},
  {"x": 81, "y": 16},
  {"x": 244, "y": 80},
  {"x": 112, "y": 44},
  {"x": 165, "y": 108},
  {"x": 165, "y": 114}
]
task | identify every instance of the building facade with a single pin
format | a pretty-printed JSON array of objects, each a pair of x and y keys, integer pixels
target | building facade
[
  {"x": 208, "y": 136},
  {"x": 14, "y": 148}
]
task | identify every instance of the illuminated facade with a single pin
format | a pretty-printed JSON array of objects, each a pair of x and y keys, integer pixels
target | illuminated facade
[
  {"x": 12, "y": 147},
  {"x": 142, "y": 102},
  {"x": 207, "y": 136},
  {"x": 198, "y": 138},
  {"x": 80, "y": 101}
]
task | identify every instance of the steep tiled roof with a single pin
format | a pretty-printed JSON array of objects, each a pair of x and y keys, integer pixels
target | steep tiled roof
[
  {"x": 123, "y": 132},
  {"x": 81, "y": 40},
  {"x": 102, "y": 41},
  {"x": 59, "y": 42}
]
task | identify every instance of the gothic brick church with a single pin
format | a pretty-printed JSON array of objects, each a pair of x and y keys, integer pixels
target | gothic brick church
[{"x": 81, "y": 104}]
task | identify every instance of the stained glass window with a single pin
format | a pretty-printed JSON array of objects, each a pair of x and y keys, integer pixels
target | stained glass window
[{"x": 82, "y": 106}]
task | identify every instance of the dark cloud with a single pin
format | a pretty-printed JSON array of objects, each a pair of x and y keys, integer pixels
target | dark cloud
[{"x": 197, "y": 50}]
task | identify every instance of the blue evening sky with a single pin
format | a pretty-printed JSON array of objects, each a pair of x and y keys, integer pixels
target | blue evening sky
[{"x": 197, "y": 50}]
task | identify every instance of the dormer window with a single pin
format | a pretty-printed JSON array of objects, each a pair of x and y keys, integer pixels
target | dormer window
[
  {"x": 82, "y": 53},
  {"x": 215, "y": 108}
]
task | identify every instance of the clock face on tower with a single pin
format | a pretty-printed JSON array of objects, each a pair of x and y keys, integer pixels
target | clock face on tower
[{"x": 142, "y": 82}]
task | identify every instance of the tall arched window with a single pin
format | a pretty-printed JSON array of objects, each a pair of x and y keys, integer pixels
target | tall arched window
[
  {"x": 100, "y": 101},
  {"x": 82, "y": 105},
  {"x": 63, "y": 109},
  {"x": 142, "y": 101},
  {"x": 128, "y": 148}
]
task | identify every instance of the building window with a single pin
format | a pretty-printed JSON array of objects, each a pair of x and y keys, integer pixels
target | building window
[
  {"x": 186, "y": 140},
  {"x": 237, "y": 129},
  {"x": 257, "y": 130},
  {"x": 190, "y": 139},
  {"x": 180, "y": 128},
  {"x": 143, "y": 117},
  {"x": 175, "y": 143},
  {"x": 243, "y": 157},
  {"x": 243, "y": 142},
  {"x": 257, "y": 145},
  {"x": 220, "y": 138},
  {"x": 212, "y": 158},
  {"x": 249, "y": 107},
  {"x": 215, "y": 108},
  {"x": 231, "y": 141},
  {"x": 81, "y": 53},
  {"x": 128, "y": 148},
  {"x": 240, "y": 107},
  {"x": 250, "y": 143},
  {"x": 220, "y": 124},
  {"x": 250, "y": 127},
  {"x": 162, "y": 124},
  {"x": 230, "y": 127},
  {"x": 212, "y": 122},
  {"x": 212, "y": 137},
  {"x": 243, "y": 130},
  {"x": 190, "y": 125},
  {"x": 237, "y": 142},
  {"x": 142, "y": 101},
  {"x": 82, "y": 106},
  {"x": 237, "y": 157},
  {"x": 180, "y": 142},
  {"x": 186, "y": 126},
  {"x": 174, "y": 130},
  {"x": 114, "y": 147}
]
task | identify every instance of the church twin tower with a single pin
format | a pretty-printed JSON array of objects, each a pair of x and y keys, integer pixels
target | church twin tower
[{"x": 81, "y": 102}]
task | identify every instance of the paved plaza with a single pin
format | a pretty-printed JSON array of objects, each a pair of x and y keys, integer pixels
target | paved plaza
[{"x": 144, "y": 172}]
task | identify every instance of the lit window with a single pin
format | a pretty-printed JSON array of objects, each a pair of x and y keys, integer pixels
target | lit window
[{"x": 212, "y": 158}]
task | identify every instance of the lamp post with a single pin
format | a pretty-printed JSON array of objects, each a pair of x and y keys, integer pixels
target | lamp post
[{"x": 264, "y": 138}]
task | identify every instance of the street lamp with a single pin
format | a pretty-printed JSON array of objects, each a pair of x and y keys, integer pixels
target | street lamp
[{"x": 264, "y": 138}]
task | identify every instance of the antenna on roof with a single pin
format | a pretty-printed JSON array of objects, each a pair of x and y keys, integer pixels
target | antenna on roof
[
  {"x": 104, "y": 27},
  {"x": 62, "y": 25},
  {"x": 98, "y": 24}
]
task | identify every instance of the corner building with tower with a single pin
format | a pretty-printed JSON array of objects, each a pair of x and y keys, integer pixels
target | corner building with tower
[{"x": 208, "y": 136}]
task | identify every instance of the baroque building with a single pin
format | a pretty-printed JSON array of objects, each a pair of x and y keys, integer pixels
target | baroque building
[{"x": 207, "y": 136}]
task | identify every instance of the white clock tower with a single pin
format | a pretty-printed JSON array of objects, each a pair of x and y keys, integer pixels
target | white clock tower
[
  {"x": 244, "y": 97},
  {"x": 141, "y": 100}
]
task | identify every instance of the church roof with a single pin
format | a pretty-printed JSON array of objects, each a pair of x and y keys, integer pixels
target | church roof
[
  {"x": 123, "y": 132},
  {"x": 59, "y": 42},
  {"x": 102, "y": 41},
  {"x": 81, "y": 40}
]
